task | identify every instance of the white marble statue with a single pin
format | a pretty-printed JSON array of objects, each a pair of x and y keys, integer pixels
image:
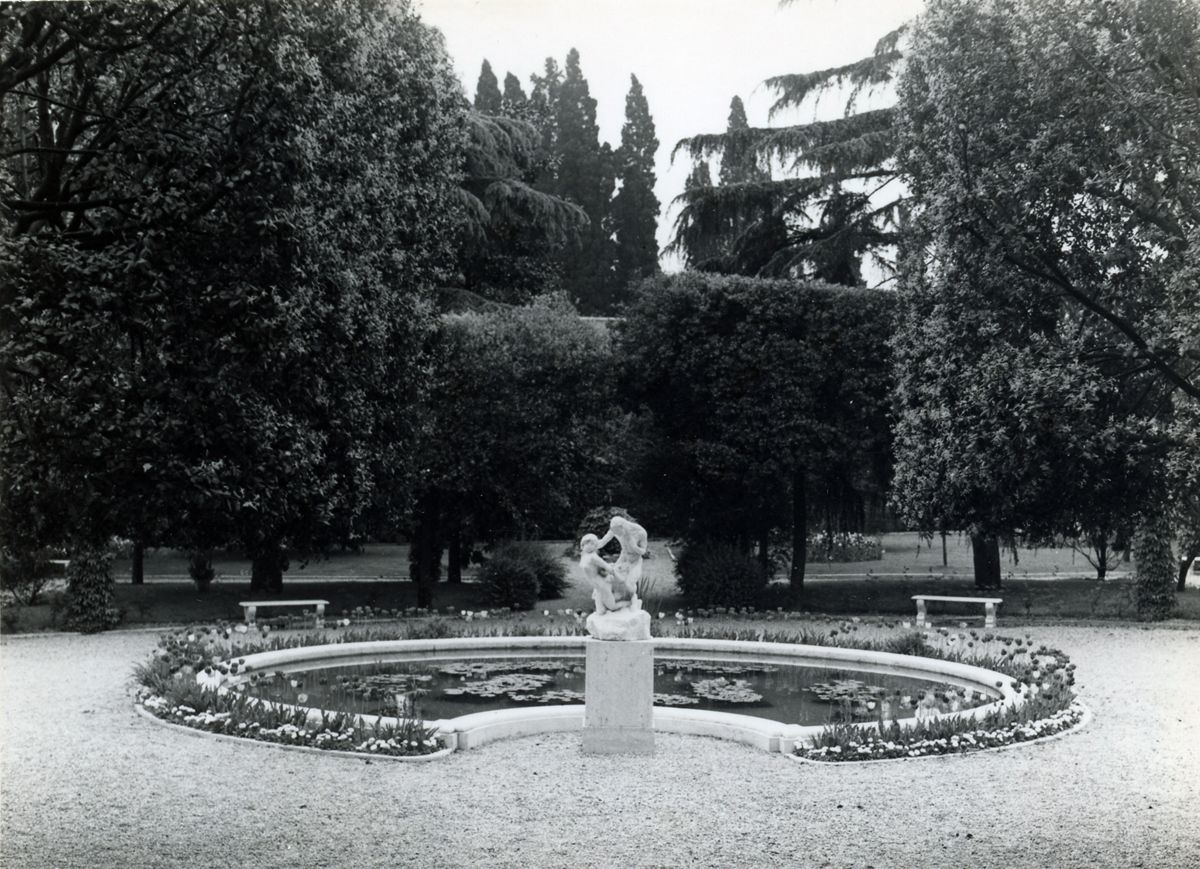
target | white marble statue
[
  {"x": 634, "y": 545},
  {"x": 600, "y": 576},
  {"x": 619, "y": 614}
]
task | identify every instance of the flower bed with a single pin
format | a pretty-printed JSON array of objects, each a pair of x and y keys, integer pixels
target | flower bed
[
  {"x": 873, "y": 745},
  {"x": 1045, "y": 677},
  {"x": 182, "y": 683},
  {"x": 843, "y": 547}
]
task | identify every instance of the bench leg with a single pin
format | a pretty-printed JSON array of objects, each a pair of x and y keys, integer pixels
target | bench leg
[
  {"x": 320, "y": 615},
  {"x": 250, "y": 615},
  {"x": 921, "y": 614},
  {"x": 989, "y": 618}
]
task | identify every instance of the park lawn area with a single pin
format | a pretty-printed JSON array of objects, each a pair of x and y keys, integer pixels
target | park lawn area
[
  {"x": 904, "y": 554},
  {"x": 178, "y": 602},
  {"x": 376, "y": 577}
]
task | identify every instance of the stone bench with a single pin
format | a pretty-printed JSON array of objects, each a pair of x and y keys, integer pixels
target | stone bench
[
  {"x": 989, "y": 607},
  {"x": 251, "y": 606}
]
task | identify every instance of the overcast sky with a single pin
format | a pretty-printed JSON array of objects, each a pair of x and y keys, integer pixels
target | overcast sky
[{"x": 691, "y": 56}]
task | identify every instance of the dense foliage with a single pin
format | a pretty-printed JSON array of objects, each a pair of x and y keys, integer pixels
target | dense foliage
[
  {"x": 763, "y": 392},
  {"x": 1050, "y": 151},
  {"x": 91, "y": 601},
  {"x": 221, "y": 225},
  {"x": 522, "y": 417}
]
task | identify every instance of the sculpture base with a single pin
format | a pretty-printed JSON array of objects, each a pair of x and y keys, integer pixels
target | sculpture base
[
  {"x": 629, "y": 625},
  {"x": 619, "y": 698}
]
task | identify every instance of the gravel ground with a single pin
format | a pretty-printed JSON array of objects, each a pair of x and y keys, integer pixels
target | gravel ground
[{"x": 85, "y": 782}]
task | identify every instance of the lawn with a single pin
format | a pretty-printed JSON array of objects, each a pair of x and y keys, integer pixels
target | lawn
[
  {"x": 905, "y": 554},
  {"x": 1042, "y": 584}
]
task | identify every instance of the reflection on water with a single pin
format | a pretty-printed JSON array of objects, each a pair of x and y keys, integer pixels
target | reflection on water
[{"x": 791, "y": 693}]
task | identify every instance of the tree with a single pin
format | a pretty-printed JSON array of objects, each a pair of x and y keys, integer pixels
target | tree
[
  {"x": 584, "y": 174},
  {"x": 513, "y": 230},
  {"x": 762, "y": 390},
  {"x": 1085, "y": 179},
  {"x": 520, "y": 430},
  {"x": 831, "y": 211},
  {"x": 487, "y": 91},
  {"x": 1046, "y": 247},
  {"x": 635, "y": 208},
  {"x": 739, "y": 163},
  {"x": 514, "y": 103},
  {"x": 225, "y": 223}
]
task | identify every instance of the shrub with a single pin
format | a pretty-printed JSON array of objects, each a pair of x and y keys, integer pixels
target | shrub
[
  {"x": 91, "y": 600},
  {"x": 551, "y": 575},
  {"x": 24, "y": 575},
  {"x": 200, "y": 568},
  {"x": 1155, "y": 568},
  {"x": 509, "y": 580},
  {"x": 718, "y": 574}
]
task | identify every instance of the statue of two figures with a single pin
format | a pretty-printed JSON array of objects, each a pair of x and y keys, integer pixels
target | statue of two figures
[{"x": 619, "y": 614}]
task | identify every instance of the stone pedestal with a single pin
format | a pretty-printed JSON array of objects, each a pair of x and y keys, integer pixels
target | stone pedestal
[{"x": 619, "y": 697}]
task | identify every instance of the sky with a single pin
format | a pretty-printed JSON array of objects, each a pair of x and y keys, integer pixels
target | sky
[{"x": 691, "y": 56}]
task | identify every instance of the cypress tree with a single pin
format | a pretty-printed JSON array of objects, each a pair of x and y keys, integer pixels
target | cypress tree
[
  {"x": 487, "y": 91},
  {"x": 739, "y": 163},
  {"x": 635, "y": 209},
  {"x": 585, "y": 176},
  {"x": 513, "y": 102}
]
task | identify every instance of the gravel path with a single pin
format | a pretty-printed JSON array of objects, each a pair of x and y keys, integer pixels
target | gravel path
[{"x": 85, "y": 782}]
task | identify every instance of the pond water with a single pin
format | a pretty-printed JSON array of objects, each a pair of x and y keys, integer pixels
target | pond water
[{"x": 433, "y": 688}]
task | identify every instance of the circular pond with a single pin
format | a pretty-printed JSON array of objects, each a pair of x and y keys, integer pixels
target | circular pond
[
  {"x": 441, "y": 687},
  {"x": 476, "y": 690}
]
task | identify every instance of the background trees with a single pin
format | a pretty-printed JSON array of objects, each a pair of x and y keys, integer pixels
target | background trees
[
  {"x": 831, "y": 210},
  {"x": 635, "y": 208},
  {"x": 222, "y": 227},
  {"x": 615, "y": 246}
]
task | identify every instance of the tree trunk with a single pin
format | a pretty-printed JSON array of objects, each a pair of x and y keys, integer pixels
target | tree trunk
[
  {"x": 764, "y": 550},
  {"x": 985, "y": 552},
  {"x": 138, "y": 571},
  {"x": 425, "y": 553},
  {"x": 1190, "y": 554},
  {"x": 799, "y": 528},
  {"x": 945, "y": 560},
  {"x": 1100, "y": 544},
  {"x": 455, "y": 545}
]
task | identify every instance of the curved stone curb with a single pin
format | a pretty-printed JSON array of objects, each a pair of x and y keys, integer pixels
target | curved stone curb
[
  {"x": 1085, "y": 719},
  {"x": 242, "y": 740}
]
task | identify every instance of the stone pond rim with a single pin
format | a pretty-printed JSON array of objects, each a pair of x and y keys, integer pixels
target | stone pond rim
[{"x": 475, "y": 729}]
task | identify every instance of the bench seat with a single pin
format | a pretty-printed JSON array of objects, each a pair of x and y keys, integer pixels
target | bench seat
[
  {"x": 251, "y": 606},
  {"x": 989, "y": 607}
]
